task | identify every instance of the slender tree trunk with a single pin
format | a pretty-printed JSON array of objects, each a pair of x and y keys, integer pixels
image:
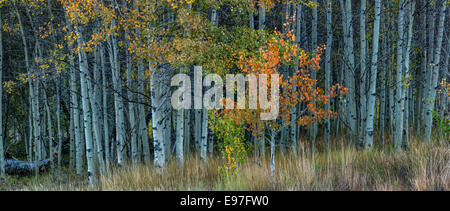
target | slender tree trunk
[
  {"x": 328, "y": 78},
  {"x": 49, "y": 127},
  {"x": 118, "y": 101},
  {"x": 180, "y": 136},
  {"x": 95, "y": 111},
  {"x": 58, "y": 122},
  {"x": 261, "y": 26},
  {"x": 383, "y": 102},
  {"x": 30, "y": 137},
  {"x": 399, "y": 86},
  {"x": 428, "y": 71},
  {"x": 71, "y": 137},
  {"x": 198, "y": 84},
  {"x": 2, "y": 153},
  {"x": 131, "y": 113},
  {"x": 32, "y": 95},
  {"x": 298, "y": 28},
  {"x": 76, "y": 121},
  {"x": 363, "y": 72},
  {"x": 92, "y": 174},
  {"x": 204, "y": 140},
  {"x": 406, "y": 88},
  {"x": 420, "y": 81},
  {"x": 106, "y": 136},
  {"x": 161, "y": 110},
  {"x": 431, "y": 95},
  {"x": 197, "y": 128},
  {"x": 349, "y": 62},
  {"x": 187, "y": 132},
  {"x": 368, "y": 143},
  {"x": 272, "y": 153},
  {"x": 143, "y": 132},
  {"x": 313, "y": 127}
]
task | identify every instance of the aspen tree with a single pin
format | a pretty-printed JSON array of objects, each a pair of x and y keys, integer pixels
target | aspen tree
[
  {"x": 368, "y": 142},
  {"x": 2, "y": 153},
  {"x": 328, "y": 75},
  {"x": 431, "y": 95}
]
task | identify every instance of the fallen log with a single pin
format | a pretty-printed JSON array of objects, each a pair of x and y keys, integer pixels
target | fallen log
[{"x": 14, "y": 166}]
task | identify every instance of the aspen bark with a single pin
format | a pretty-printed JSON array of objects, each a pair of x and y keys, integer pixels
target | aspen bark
[
  {"x": 406, "y": 89},
  {"x": 328, "y": 78},
  {"x": 92, "y": 175},
  {"x": 363, "y": 73},
  {"x": 431, "y": 95},
  {"x": 298, "y": 28},
  {"x": 314, "y": 126},
  {"x": 399, "y": 79},
  {"x": 106, "y": 135},
  {"x": 161, "y": 109},
  {"x": 368, "y": 143},
  {"x": 33, "y": 89},
  {"x": 204, "y": 140},
  {"x": 131, "y": 112},
  {"x": 179, "y": 136},
  {"x": 272, "y": 152},
  {"x": 118, "y": 101},
  {"x": 349, "y": 62}
]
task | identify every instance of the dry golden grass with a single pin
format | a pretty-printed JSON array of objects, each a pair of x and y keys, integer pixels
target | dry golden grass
[{"x": 419, "y": 168}]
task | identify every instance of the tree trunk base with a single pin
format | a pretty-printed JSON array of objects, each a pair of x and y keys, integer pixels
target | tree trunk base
[{"x": 18, "y": 167}]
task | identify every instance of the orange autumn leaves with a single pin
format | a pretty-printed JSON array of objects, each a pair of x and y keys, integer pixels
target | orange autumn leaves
[{"x": 280, "y": 55}]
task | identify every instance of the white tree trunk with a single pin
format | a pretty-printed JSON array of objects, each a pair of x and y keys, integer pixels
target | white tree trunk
[
  {"x": 33, "y": 88},
  {"x": 297, "y": 31},
  {"x": 118, "y": 101},
  {"x": 272, "y": 152},
  {"x": 180, "y": 136},
  {"x": 349, "y": 62},
  {"x": 131, "y": 113},
  {"x": 262, "y": 17},
  {"x": 76, "y": 122},
  {"x": 261, "y": 26},
  {"x": 106, "y": 135},
  {"x": 368, "y": 143},
  {"x": 92, "y": 175},
  {"x": 204, "y": 140},
  {"x": 428, "y": 71},
  {"x": 407, "y": 88},
  {"x": 328, "y": 78},
  {"x": 363, "y": 72},
  {"x": 313, "y": 127},
  {"x": 400, "y": 76},
  {"x": 71, "y": 136},
  {"x": 161, "y": 111},
  {"x": 95, "y": 108},
  {"x": 431, "y": 95}
]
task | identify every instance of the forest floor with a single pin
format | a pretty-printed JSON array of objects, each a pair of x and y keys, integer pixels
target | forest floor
[{"x": 418, "y": 168}]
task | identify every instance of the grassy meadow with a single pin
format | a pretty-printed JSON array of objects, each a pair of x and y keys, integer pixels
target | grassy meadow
[{"x": 418, "y": 168}]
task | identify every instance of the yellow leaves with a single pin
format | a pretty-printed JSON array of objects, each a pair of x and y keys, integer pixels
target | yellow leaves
[
  {"x": 8, "y": 86},
  {"x": 5, "y": 26}
]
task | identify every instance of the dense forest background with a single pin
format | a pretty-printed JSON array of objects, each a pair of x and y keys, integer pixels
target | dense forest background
[{"x": 86, "y": 84}]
